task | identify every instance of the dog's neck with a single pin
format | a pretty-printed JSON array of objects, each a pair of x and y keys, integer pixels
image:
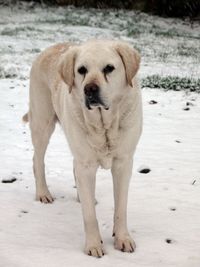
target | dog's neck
[
  {"x": 102, "y": 133},
  {"x": 100, "y": 119}
]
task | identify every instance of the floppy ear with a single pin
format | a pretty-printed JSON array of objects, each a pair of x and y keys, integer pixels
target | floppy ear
[
  {"x": 130, "y": 58},
  {"x": 66, "y": 67}
]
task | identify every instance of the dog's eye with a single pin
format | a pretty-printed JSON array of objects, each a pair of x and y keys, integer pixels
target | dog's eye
[
  {"x": 108, "y": 69},
  {"x": 82, "y": 70}
]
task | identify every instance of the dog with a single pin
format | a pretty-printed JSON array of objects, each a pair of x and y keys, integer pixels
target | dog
[{"x": 92, "y": 90}]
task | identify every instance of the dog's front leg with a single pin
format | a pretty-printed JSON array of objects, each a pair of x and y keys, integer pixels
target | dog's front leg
[
  {"x": 121, "y": 171},
  {"x": 86, "y": 175}
]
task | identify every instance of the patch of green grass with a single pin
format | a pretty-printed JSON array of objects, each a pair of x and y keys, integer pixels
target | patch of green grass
[
  {"x": 175, "y": 33},
  {"x": 168, "y": 33},
  {"x": 15, "y": 31},
  {"x": 164, "y": 55},
  {"x": 6, "y": 74},
  {"x": 131, "y": 23},
  {"x": 35, "y": 50},
  {"x": 187, "y": 50},
  {"x": 172, "y": 83},
  {"x": 67, "y": 21},
  {"x": 133, "y": 31}
]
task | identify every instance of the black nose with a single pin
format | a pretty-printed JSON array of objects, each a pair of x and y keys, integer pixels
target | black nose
[
  {"x": 92, "y": 95},
  {"x": 91, "y": 90}
]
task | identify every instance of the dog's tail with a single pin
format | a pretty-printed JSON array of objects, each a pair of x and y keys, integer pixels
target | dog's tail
[{"x": 25, "y": 118}]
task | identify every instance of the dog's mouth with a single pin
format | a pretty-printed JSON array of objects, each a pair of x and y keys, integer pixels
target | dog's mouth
[{"x": 97, "y": 102}]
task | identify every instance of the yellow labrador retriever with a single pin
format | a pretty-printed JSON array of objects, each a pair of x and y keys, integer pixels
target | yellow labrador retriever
[{"x": 92, "y": 90}]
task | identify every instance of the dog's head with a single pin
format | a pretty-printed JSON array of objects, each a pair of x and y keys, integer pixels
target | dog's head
[{"x": 98, "y": 71}]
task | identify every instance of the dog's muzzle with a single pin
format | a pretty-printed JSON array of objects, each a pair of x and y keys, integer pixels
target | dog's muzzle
[{"x": 92, "y": 96}]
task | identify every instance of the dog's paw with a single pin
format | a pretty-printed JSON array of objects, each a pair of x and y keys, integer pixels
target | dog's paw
[
  {"x": 95, "y": 250},
  {"x": 124, "y": 243},
  {"x": 44, "y": 197}
]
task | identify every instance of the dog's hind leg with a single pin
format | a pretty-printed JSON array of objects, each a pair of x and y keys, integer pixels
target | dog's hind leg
[
  {"x": 40, "y": 139},
  {"x": 42, "y": 119}
]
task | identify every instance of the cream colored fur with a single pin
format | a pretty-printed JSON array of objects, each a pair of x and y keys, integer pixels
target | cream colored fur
[{"x": 96, "y": 137}]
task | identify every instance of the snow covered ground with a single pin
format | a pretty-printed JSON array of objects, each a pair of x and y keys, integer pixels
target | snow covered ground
[{"x": 164, "y": 209}]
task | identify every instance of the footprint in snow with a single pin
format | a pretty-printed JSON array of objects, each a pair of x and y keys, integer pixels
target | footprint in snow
[
  {"x": 173, "y": 208},
  {"x": 152, "y": 102},
  {"x": 194, "y": 182},
  {"x": 169, "y": 241},
  {"x": 9, "y": 180},
  {"x": 144, "y": 169},
  {"x": 189, "y": 104},
  {"x": 24, "y": 211},
  {"x": 186, "y": 108}
]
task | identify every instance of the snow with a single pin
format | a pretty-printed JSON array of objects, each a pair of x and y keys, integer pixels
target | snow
[{"x": 163, "y": 204}]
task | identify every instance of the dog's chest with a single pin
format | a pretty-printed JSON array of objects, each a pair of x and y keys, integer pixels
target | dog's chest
[
  {"x": 102, "y": 133},
  {"x": 104, "y": 142}
]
